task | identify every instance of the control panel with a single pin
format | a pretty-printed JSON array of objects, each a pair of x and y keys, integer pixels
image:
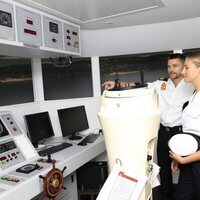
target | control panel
[
  {"x": 18, "y": 157},
  {"x": 71, "y": 38},
  {"x": 29, "y": 27},
  {"x": 7, "y": 30},
  {"x": 11, "y": 124},
  {"x": 52, "y": 33},
  {"x": 9, "y": 154},
  {"x": 15, "y": 147},
  {"x": 25, "y": 26}
]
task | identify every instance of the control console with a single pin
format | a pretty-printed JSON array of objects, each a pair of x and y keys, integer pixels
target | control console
[
  {"x": 18, "y": 157},
  {"x": 9, "y": 154}
]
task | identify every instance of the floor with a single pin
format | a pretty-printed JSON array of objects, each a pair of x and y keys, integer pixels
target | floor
[{"x": 157, "y": 194}]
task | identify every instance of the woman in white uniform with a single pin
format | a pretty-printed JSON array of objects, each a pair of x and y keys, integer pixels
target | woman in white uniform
[{"x": 189, "y": 178}]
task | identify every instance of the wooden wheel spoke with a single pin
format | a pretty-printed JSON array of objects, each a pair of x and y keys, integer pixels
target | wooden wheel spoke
[{"x": 53, "y": 182}]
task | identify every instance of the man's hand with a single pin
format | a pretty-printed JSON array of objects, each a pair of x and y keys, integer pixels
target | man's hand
[{"x": 109, "y": 85}]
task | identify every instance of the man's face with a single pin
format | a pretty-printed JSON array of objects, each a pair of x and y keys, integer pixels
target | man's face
[{"x": 174, "y": 68}]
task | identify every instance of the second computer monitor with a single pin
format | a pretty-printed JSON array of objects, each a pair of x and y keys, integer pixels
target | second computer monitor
[{"x": 72, "y": 121}]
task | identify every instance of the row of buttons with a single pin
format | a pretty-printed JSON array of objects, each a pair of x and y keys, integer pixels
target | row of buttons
[
  {"x": 7, "y": 158},
  {"x": 10, "y": 179}
]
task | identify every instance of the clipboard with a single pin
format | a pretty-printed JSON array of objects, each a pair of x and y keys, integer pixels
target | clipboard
[{"x": 122, "y": 184}]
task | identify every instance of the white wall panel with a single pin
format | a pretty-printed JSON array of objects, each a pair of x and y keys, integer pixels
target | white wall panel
[{"x": 141, "y": 39}]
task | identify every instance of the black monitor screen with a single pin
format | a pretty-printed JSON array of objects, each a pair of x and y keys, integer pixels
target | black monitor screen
[
  {"x": 39, "y": 127},
  {"x": 73, "y": 120}
]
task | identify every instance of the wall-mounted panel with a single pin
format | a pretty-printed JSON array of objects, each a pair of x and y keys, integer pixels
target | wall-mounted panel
[
  {"x": 52, "y": 33},
  {"x": 27, "y": 32},
  {"x": 29, "y": 27},
  {"x": 71, "y": 38},
  {"x": 7, "y": 29}
]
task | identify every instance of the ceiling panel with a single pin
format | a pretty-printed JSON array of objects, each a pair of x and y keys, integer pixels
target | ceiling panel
[
  {"x": 90, "y": 10},
  {"x": 101, "y": 14}
]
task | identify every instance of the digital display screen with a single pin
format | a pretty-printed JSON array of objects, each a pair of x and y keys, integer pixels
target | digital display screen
[
  {"x": 5, "y": 18},
  {"x": 3, "y": 130},
  {"x": 2, "y": 149},
  {"x": 7, "y": 146},
  {"x": 53, "y": 27}
]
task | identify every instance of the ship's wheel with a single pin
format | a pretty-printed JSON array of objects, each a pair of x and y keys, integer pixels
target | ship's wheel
[{"x": 53, "y": 182}]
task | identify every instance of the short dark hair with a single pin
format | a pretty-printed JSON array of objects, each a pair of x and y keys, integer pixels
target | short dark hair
[{"x": 177, "y": 56}]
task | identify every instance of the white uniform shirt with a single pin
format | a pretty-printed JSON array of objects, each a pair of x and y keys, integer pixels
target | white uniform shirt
[
  {"x": 191, "y": 115},
  {"x": 171, "y": 100}
]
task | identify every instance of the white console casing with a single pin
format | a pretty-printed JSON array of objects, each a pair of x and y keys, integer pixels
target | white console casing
[{"x": 130, "y": 121}]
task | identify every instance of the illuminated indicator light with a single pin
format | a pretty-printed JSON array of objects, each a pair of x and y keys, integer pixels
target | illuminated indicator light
[
  {"x": 3, "y": 158},
  {"x": 28, "y": 21},
  {"x": 30, "y": 31},
  {"x": 74, "y": 33},
  {"x": 76, "y": 44}
]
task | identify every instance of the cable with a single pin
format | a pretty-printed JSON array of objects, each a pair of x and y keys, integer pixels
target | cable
[{"x": 62, "y": 61}]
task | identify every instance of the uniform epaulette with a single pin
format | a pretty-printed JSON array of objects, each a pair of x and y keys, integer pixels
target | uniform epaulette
[{"x": 163, "y": 79}]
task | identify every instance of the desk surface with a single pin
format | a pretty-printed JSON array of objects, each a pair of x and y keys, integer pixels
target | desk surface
[{"x": 72, "y": 157}]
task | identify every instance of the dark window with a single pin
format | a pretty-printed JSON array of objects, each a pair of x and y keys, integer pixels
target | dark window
[
  {"x": 185, "y": 51},
  {"x": 62, "y": 82},
  {"x": 129, "y": 67},
  {"x": 15, "y": 81}
]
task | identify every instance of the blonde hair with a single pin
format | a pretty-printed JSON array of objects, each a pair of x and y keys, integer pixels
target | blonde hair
[{"x": 195, "y": 57}]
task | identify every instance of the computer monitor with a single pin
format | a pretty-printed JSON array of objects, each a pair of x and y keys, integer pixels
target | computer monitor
[
  {"x": 39, "y": 127},
  {"x": 72, "y": 121}
]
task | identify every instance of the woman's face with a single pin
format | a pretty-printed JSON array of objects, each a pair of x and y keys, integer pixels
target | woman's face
[{"x": 190, "y": 72}]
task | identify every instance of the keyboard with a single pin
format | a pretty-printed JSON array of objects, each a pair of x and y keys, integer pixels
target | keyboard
[
  {"x": 90, "y": 138},
  {"x": 54, "y": 149}
]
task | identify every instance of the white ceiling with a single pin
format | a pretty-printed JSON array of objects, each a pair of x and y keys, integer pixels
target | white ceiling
[{"x": 100, "y": 14}]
